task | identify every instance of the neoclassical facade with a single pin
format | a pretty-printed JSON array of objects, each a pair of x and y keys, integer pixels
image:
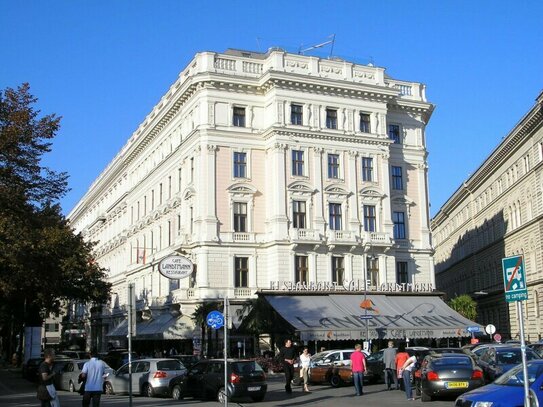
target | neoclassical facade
[
  {"x": 263, "y": 167},
  {"x": 497, "y": 213}
]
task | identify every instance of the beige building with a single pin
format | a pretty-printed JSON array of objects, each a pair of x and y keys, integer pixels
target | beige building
[
  {"x": 264, "y": 169},
  {"x": 497, "y": 213}
]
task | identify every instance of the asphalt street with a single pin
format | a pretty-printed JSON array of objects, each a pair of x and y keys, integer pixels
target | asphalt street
[{"x": 15, "y": 391}]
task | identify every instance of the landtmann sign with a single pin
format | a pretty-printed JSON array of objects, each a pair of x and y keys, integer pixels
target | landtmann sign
[{"x": 175, "y": 267}]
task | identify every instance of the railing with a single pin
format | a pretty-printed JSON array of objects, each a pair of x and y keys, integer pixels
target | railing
[
  {"x": 225, "y": 64},
  {"x": 191, "y": 293},
  {"x": 242, "y": 292},
  {"x": 252, "y": 67},
  {"x": 405, "y": 90},
  {"x": 304, "y": 234},
  {"x": 241, "y": 237},
  {"x": 341, "y": 236},
  {"x": 377, "y": 237}
]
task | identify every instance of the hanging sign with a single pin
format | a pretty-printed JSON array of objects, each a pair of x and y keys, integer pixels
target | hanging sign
[{"x": 175, "y": 267}]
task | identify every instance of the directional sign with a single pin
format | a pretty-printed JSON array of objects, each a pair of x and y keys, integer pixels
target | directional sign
[
  {"x": 472, "y": 329},
  {"x": 215, "y": 319},
  {"x": 365, "y": 317},
  {"x": 514, "y": 279}
]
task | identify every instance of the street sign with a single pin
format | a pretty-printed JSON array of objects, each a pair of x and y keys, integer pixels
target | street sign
[
  {"x": 365, "y": 317},
  {"x": 215, "y": 319},
  {"x": 472, "y": 329},
  {"x": 490, "y": 329},
  {"x": 514, "y": 279},
  {"x": 497, "y": 337}
]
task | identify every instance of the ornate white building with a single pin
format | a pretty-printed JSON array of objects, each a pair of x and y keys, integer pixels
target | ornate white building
[
  {"x": 263, "y": 168},
  {"x": 497, "y": 212}
]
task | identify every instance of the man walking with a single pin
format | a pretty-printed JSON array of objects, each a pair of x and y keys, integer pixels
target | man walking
[
  {"x": 287, "y": 356},
  {"x": 389, "y": 359},
  {"x": 93, "y": 374},
  {"x": 358, "y": 366}
]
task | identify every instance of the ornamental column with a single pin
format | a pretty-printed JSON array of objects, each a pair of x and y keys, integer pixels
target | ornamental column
[
  {"x": 207, "y": 191},
  {"x": 318, "y": 210},
  {"x": 277, "y": 186},
  {"x": 354, "y": 222}
]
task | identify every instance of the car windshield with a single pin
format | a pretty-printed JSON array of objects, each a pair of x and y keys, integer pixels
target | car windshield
[
  {"x": 169, "y": 365},
  {"x": 514, "y": 356},
  {"x": 515, "y": 376},
  {"x": 447, "y": 361},
  {"x": 246, "y": 367}
]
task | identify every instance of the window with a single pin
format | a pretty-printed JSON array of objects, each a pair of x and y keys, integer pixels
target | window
[
  {"x": 241, "y": 272},
  {"x": 399, "y": 225},
  {"x": 297, "y": 162},
  {"x": 169, "y": 187},
  {"x": 338, "y": 270},
  {"x": 331, "y": 118},
  {"x": 402, "y": 275},
  {"x": 296, "y": 115},
  {"x": 298, "y": 214},
  {"x": 239, "y": 117},
  {"x": 52, "y": 327},
  {"x": 301, "y": 271},
  {"x": 367, "y": 169},
  {"x": 193, "y": 277},
  {"x": 240, "y": 217},
  {"x": 394, "y": 133},
  {"x": 333, "y": 166},
  {"x": 365, "y": 123},
  {"x": 373, "y": 270},
  {"x": 240, "y": 165},
  {"x": 335, "y": 216},
  {"x": 369, "y": 218},
  {"x": 397, "y": 178},
  {"x": 160, "y": 194}
]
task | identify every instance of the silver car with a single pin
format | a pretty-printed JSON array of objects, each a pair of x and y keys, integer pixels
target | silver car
[
  {"x": 150, "y": 377},
  {"x": 69, "y": 375}
]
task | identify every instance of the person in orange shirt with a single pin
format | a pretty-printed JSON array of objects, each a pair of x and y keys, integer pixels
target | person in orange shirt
[{"x": 401, "y": 357}]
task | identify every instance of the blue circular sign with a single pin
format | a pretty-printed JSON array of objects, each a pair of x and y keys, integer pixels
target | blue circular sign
[{"x": 215, "y": 319}]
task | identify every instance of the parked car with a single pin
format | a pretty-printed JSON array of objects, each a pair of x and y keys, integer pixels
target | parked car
[
  {"x": 69, "y": 375},
  {"x": 150, "y": 377},
  {"x": 205, "y": 380},
  {"x": 376, "y": 368},
  {"x": 445, "y": 374},
  {"x": 118, "y": 357},
  {"x": 498, "y": 359},
  {"x": 508, "y": 389},
  {"x": 537, "y": 347}
]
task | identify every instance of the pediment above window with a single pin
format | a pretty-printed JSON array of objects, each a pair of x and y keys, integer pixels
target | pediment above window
[
  {"x": 301, "y": 188},
  {"x": 372, "y": 193},
  {"x": 188, "y": 193},
  {"x": 336, "y": 191},
  {"x": 242, "y": 189}
]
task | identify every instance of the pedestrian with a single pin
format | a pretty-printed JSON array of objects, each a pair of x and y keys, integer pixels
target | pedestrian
[
  {"x": 287, "y": 355},
  {"x": 405, "y": 371},
  {"x": 93, "y": 373},
  {"x": 389, "y": 359},
  {"x": 401, "y": 357},
  {"x": 46, "y": 377},
  {"x": 305, "y": 359},
  {"x": 358, "y": 367}
]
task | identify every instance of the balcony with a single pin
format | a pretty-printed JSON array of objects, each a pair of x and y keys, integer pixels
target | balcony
[
  {"x": 341, "y": 237},
  {"x": 304, "y": 235},
  {"x": 377, "y": 239},
  {"x": 242, "y": 292},
  {"x": 238, "y": 237}
]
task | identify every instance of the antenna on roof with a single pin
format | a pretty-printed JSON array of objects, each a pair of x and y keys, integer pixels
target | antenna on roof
[{"x": 322, "y": 44}]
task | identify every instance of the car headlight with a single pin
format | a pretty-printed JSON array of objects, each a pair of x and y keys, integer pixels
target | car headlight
[{"x": 483, "y": 404}]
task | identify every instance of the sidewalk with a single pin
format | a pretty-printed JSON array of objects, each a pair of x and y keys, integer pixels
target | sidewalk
[{"x": 12, "y": 382}]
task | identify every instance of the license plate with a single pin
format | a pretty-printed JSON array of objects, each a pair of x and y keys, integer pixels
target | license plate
[
  {"x": 456, "y": 385},
  {"x": 257, "y": 388}
]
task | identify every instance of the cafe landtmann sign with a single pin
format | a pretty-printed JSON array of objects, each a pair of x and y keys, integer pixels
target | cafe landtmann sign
[{"x": 349, "y": 285}]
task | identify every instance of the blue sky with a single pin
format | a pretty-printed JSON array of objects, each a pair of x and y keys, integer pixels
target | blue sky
[{"x": 103, "y": 65}]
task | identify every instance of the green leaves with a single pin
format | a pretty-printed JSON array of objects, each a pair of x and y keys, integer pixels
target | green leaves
[{"x": 465, "y": 306}]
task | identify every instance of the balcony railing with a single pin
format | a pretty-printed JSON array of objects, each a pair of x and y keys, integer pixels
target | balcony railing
[
  {"x": 341, "y": 236},
  {"x": 305, "y": 235},
  {"x": 242, "y": 292},
  {"x": 377, "y": 238}
]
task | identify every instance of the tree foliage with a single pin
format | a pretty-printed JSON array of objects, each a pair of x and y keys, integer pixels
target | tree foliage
[
  {"x": 42, "y": 261},
  {"x": 465, "y": 306}
]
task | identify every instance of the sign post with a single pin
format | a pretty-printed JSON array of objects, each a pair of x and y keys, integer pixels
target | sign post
[
  {"x": 131, "y": 332},
  {"x": 490, "y": 330},
  {"x": 514, "y": 281},
  {"x": 216, "y": 320}
]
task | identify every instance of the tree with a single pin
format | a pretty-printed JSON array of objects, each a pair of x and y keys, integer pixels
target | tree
[
  {"x": 42, "y": 262},
  {"x": 465, "y": 306},
  {"x": 200, "y": 318}
]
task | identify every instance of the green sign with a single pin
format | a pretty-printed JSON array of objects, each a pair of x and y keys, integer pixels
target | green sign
[{"x": 514, "y": 279}]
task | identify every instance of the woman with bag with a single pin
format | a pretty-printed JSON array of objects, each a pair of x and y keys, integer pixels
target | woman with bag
[
  {"x": 47, "y": 393},
  {"x": 305, "y": 359}
]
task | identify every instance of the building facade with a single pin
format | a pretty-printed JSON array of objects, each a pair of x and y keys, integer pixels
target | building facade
[
  {"x": 497, "y": 213},
  {"x": 264, "y": 168}
]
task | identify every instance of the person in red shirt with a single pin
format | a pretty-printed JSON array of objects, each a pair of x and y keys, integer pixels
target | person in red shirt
[
  {"x": 358, "y": 367},
  {"x": 401, "y": 357}
]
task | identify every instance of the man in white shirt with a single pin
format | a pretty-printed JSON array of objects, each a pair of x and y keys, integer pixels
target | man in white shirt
[{"x": 93, "y": 374}]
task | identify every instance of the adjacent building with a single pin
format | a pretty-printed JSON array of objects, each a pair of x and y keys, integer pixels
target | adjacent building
[
  {"x": 266, "y": 170},
  {"x": 496, "y": 213}
]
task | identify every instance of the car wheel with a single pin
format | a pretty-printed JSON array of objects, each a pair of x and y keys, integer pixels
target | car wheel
[
  {"x": 260, "y": 397},
  {"x": 335, "y": 381},
  {"x": 147, "y": 390},
  {"x": 176, "y": 392},
  {"x": 425, "y": 397},
  {"x": 221, "y": 395},
  {"x": 108, "y": 388},
  {"x": 71, "y": 387}
]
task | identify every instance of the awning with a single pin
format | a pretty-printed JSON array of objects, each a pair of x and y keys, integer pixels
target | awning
[
  {"x": 163, "y": 326},
  {"x": 340, "y": 316}
]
